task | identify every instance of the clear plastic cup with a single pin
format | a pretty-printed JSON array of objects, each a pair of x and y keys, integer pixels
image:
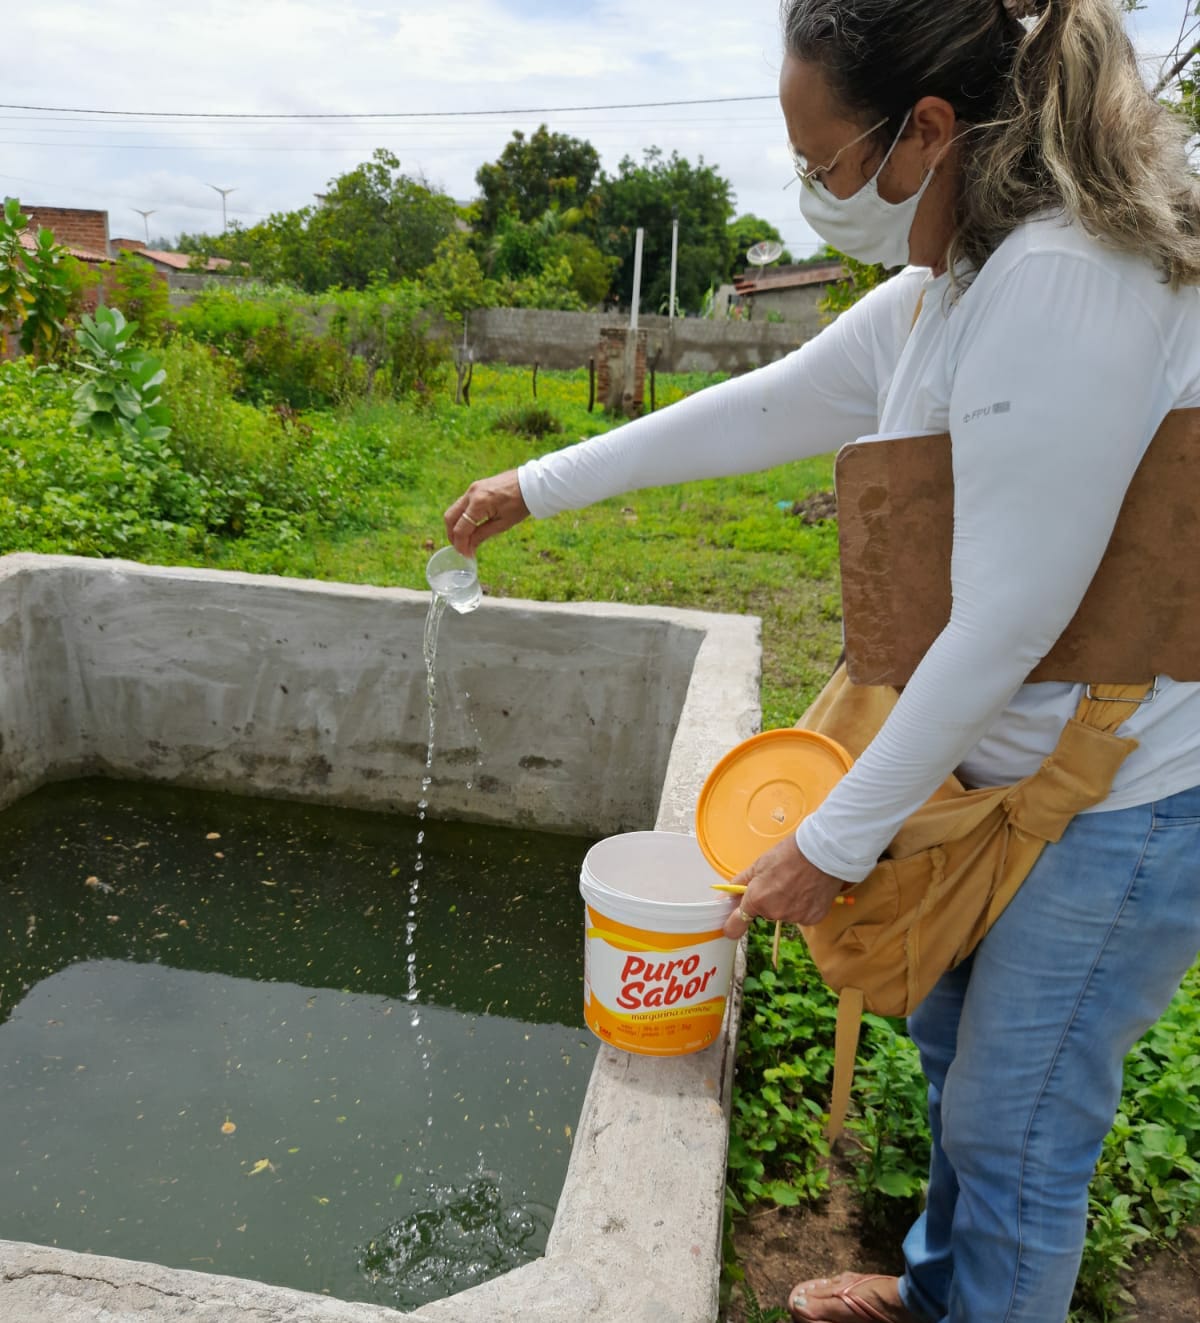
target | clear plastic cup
[{"x": 455, "y": 578}]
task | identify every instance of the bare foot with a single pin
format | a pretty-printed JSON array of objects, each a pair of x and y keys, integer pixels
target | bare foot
[{"x": 850, "y": 1297}]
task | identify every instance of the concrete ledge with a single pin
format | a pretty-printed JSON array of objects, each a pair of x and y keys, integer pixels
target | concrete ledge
[{"x": 239, "y": 682}]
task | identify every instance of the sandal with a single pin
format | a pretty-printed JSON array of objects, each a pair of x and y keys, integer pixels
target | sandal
[{"x": 843, "y": 1300}]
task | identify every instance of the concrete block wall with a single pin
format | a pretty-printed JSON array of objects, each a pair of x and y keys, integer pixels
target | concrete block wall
[{"x": 692, "y": 344}]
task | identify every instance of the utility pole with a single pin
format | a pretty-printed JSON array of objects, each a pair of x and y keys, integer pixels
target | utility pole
[
  {"x": 629, "y": 403},
  {"x": 674, "y": 265},
  {"x": 637, "y": 279},
  {"x": 224, "y": 192},
  {"x": 145, "y": 215}
]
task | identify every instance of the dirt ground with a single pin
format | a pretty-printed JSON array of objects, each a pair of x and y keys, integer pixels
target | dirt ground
[{"x": 779, "y": 1247}]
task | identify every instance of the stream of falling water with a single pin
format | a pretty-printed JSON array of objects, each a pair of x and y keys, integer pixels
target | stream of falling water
[{"x": 433, "y": 620}]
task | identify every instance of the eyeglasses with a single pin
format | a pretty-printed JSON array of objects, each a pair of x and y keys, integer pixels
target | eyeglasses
[{"x": 806, "y": 173}]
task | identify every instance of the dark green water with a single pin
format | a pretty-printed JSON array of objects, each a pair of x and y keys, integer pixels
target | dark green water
[{"x": 400, "y": 1052}]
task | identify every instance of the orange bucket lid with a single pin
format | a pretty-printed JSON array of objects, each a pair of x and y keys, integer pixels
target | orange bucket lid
[{"x": 761, "y": 790}]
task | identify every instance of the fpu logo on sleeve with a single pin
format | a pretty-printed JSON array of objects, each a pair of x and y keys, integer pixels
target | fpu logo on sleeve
[{"x": 1004, "y": 406}]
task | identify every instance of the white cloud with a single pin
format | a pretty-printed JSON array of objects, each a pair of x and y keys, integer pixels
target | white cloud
[{"x": 303, "y": 57}]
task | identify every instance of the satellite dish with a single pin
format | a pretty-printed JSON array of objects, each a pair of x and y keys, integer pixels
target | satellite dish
[{"x": 763, "y": 254}]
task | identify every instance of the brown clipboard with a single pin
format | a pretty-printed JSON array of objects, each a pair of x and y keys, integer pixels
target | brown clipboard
[{"x": 1139, "y": 618}]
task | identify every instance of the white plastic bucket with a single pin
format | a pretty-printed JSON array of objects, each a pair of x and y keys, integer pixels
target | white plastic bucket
[{"x": 656, "y": 967}]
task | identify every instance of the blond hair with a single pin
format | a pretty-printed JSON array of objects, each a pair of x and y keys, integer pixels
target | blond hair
[{"x": 1057, "y": 116}]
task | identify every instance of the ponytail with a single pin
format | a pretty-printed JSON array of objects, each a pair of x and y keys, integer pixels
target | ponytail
[
  {"x": 1080, "y": 133},
  {"x": 1056, "y": 115}
]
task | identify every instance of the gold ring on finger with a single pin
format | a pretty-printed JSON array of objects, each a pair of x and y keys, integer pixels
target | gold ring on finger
[
  {"x": 746, "y": 918},
  {"x": 476, "y": 523}
]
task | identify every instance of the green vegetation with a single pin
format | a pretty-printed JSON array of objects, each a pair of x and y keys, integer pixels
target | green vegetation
[
  {"x": 550, "y": 229},
  {"x": 264, "y": 435}
]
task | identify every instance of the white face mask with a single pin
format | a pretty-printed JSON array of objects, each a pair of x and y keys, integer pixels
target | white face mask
[{"x": 864, "y": 226}]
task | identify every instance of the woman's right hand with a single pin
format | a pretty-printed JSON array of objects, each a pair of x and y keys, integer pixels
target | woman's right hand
[{"x": 486, "y": 508}]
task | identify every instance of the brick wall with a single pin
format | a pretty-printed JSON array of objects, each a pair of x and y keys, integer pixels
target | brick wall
[
  {"x": 70, "y": 225},
  {"x": 612, "y": 390}
]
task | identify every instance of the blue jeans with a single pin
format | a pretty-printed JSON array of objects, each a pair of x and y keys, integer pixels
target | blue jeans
[{"x": 1023, "y": 1047}]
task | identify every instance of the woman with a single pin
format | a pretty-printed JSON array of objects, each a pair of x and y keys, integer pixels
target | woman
[{"x": 1048, "y": 318}]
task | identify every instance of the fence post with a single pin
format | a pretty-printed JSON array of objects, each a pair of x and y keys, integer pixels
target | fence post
[
  {"x": 535, "y": 371},
  {"x": 591, "y": 384}
]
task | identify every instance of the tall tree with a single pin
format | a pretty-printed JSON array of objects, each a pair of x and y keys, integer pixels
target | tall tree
[
  {"x": 744, "y": 233},
  {"x": 652, "y": 195},
  {"x": 375, "y": 223},
  {"x": 547, "y": 171}
]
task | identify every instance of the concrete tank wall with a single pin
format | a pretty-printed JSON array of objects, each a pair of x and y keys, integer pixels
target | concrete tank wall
[
  {"x": 560, "y": 718},
  {"x": 590, "y": 719}
]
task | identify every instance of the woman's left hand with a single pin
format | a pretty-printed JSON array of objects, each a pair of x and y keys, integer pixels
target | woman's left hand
[{"x": 782, "y": 884}]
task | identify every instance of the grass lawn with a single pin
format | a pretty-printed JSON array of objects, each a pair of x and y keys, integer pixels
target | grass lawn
[{"x": 722, "y": 545}]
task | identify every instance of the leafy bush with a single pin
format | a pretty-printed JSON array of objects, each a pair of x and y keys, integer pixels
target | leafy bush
[
  {"x": 777, "y": 1150},
  {"x": 531, "y": 421},
  {"x": 121, "y": 394},
  {"x": 279, "y": 346},
  {"x": 1147, "y": 1183},
  {"x": 40, "y": 288},
  {"x": 63, "y": 490},
  {"x": 141, "y": 294},
  {"x": 245, "y": 459},
  {"x": 387, "y": 327}
]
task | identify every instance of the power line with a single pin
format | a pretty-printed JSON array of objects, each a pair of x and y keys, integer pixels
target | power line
[{"x": 381, "y": 114}]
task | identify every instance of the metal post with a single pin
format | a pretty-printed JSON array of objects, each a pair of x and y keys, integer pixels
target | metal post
[
  {"x": 674, "y": 264},
  {"x": 637, "y": 280}
]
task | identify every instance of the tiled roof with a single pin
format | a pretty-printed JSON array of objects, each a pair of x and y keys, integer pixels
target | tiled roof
[
  {"x": 764, "y": 279},
  {"x": 182, "y": 261},
  {"x": 29, "y": 241}
]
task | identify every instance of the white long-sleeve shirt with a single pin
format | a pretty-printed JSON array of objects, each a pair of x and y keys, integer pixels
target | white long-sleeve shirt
[{"x": 1089, "y": 350}]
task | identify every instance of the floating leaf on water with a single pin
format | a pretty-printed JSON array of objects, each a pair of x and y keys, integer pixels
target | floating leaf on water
[
  {"x": 228, "y": 1128},
  {"x": 263, "y": 1164},
  {"x": 213, "y": 836},
  {"x": 398, "y": 1181},
  {"x": 320, "y": 1198}
]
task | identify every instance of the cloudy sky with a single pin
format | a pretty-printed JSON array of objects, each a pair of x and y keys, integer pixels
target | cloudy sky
[{"x": 446, "y": 81}]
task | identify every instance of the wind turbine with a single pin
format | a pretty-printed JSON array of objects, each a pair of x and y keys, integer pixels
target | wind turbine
[
  {"x": 145, "y": 215},
  {"x": 224, "y": 192}
]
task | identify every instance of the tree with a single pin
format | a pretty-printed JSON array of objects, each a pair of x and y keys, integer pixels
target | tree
[
  {"x": 522, "y": 251},
  {"x": 549, "y": 171},
  {"x": 374, "y": 224},
  {"x": 652, "y": 195},
  {"x": 454, "y": 282},
  {"x": 40, "y": 286},
  {"x": 744, "y": 233}
]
